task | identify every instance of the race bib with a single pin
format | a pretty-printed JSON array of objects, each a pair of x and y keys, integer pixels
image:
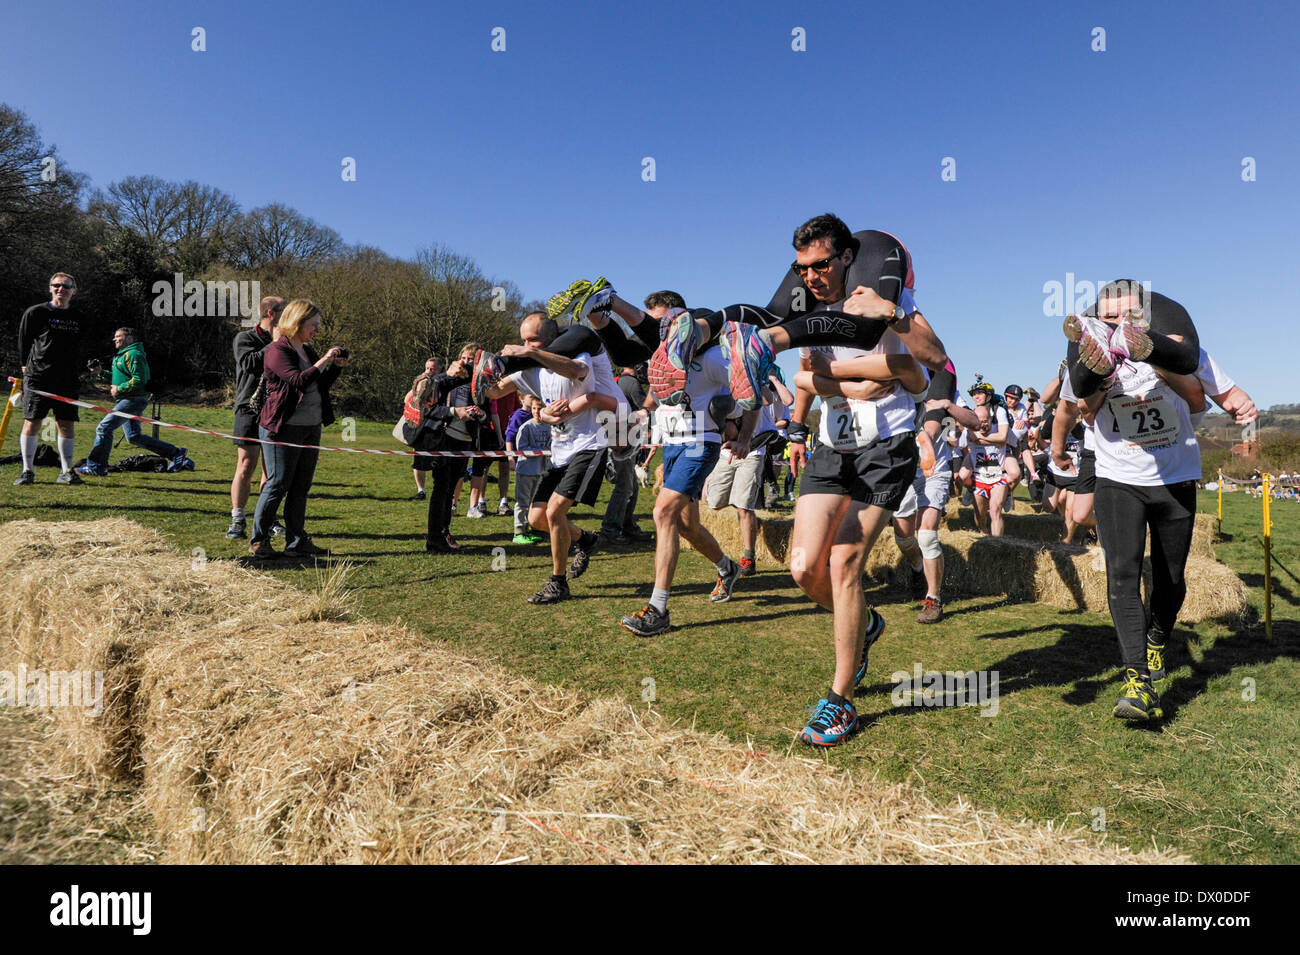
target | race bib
[
  {"x": 988, "y": 466},
  {"x": 851, "y": 423},
  {"x": 1150, "y": 422},
  {"x": 675, "y": 423}
]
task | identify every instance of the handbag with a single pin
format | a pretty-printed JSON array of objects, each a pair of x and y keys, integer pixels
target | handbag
[{"x": 258, "y": 397}]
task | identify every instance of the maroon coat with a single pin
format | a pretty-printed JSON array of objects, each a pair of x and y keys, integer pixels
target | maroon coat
[{"x": 286, "y": 379}]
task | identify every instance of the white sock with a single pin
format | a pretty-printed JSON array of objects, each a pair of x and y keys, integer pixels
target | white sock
[
  {"x": 67, "y": 448},
  {"x": 724, "y": 565},
  {"x": 659, "y": 600},
  {"x": 27, "y": 445},
  {"x": 236, "y": 513}
]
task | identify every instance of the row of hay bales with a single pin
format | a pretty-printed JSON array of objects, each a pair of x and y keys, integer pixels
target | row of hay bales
[
  {"x": 254, "y": 736},
  {"x": 1028, "y": 563}
]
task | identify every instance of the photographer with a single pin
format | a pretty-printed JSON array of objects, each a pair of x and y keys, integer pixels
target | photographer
[
  {"x": 130, "y": 371},
  {"x": 450, "y": 412},
  {"x": 296, "y": 406}
]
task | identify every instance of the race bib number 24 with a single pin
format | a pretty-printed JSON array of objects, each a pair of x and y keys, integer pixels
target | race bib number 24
[{"x": 850, "y": 423}]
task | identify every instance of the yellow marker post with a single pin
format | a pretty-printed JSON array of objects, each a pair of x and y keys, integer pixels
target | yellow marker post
[
  {"x": 1220, "y": 499},
  {"x": 9, "y": 407},
  {"x": 1268, "y": 561}
]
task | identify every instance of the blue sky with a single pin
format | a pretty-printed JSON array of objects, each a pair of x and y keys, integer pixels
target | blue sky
[{"x": 1123, "y": 163}]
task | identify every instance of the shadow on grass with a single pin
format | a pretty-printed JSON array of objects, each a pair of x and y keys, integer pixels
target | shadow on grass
[{"x": 1279, "y": 589}]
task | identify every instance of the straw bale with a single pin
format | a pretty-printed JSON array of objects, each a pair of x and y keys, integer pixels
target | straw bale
[{"x": 253, "y": 736}]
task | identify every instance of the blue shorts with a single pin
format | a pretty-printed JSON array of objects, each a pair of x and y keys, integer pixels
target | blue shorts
[{"x": 688, "y": 466}]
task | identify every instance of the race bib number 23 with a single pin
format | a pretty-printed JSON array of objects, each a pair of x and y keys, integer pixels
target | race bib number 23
[{"x": 1150, "y": 422}]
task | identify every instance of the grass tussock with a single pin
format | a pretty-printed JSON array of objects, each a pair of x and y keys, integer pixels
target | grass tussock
[{"x": 254, "y": 736}]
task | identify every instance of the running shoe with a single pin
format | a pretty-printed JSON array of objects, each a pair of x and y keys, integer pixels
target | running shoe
[
  {"x": 180, "y": 462},
  {"x": 69, "y": 477},
  {"x": 503, "y": 507},
  {"x": 1156, "y": 655},
  {"x": 647, "y": 622},
  {"x": 751, "y": 357},
  {"x": 576, "y": 296},
  {"x": 27, "y": 477},
  {"x": 1130, "y": 340},
  {"x": 522, "y": 538},
  {"x": 668, "y": 365},
  {"x": 875, "y": 629},
  {"x": 488, "y": 369},
  {"x": 417, "y": 496},
  {"x": 1138, "y": 699},
  {"x": 553, "y": 592},
  {"x": 596, "y": 299},
  {"x": 932, "y": 612},
  {"x": 726, "y": 583},
  {"x": 1093, "y": 337},
  {"x": 92, "y": 470},
  {"x": 925, "y": 453},
  {"x": 748, "y": 567},
  {"x": 237, "y": 529},
  {"x": 476, "y": 511},
  {"x": 831, "y": 724},
  {"x": 583, "y": 548}
]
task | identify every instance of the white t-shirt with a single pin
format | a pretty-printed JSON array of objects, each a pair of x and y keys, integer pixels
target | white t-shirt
[
  {"x": 986, "y": 459},
  {"x": 582, "y": 432},
  {"x": 708, "y": 377},
  {"x": 1144, "y": 433},
  {"x": 943, "y": 451},
  {"x": 850, "y": 424},
  {"x": 1213, "y": 379}
]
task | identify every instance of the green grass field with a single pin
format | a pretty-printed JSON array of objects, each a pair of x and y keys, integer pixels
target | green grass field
[{"x": 1219, "y": 779}]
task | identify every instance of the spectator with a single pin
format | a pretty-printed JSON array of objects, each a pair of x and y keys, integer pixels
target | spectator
[
  {"x": 531, "y": 434},
  {"x": 451, "y": 411},
  {"x": 411, "y": 411},
  {"x": 249, "y": 346},
  {"x": 297, "y": 405},
  {"x": 49, "y": 346},
  {"x": 130, "y": 371},
  {"x": 506, "y": 408}
]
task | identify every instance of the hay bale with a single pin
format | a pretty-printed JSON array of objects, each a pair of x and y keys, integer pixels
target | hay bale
[
  {"x": 774, "y": 529},
  {"x": 256, "y": 737}
]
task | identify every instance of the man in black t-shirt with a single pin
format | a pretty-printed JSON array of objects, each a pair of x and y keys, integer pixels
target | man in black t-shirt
[
  {"x": 49, "y": 346},
  {"x": 248, "y": 348}
]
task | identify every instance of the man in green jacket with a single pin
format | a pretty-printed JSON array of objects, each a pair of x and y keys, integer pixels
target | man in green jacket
[{"x": 131, "y": 389}]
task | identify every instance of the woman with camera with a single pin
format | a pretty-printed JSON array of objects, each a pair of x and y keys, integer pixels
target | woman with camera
[
  {"x": 454, "y": 418},
  {"x": 297, "y": 405}
]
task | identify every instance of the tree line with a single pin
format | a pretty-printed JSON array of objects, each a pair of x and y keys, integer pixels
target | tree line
[{"x": 121, "y": 241}]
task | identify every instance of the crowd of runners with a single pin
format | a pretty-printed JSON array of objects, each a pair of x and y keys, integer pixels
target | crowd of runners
[{"x": 1108, "y": 443}]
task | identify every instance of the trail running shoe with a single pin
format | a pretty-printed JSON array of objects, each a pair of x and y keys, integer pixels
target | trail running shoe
[
  {"x": 748, "y": 567},
  {"x": 726, "y": 583},
  {"x": 1093, "y": 337},
  {"x": 27, "y": 477},
  {"x": 521, "y": 538},
  {"x": 925, "y": 453},
  {"x": 595, "y": 299},
  {"x": 488, "y": 369},
  {"x": 751, "y": 359},
  {"x": 831, "y": 723},
  {"x": 647, "y": 622},
  {"x": 583, "y": 548},
  {"x": 552, "y": 593},
  {"x": 69, "y": 477},
  {"x": 503, "y": 507},
  {"x": 1130, "y": 340},
  {"x": 875, "y": 629},
  {"x": 932, "y": 612},
  {"x": 237, "y": 530},
  {"x": 1138, "y": 699},
  {"x": 668, "y": 365},
  {"x": 573, "y": 298},
  {"x": 1156, "y": 655}
]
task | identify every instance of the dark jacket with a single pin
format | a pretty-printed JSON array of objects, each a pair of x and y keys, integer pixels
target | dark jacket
[
  {"x": 249, "y": 345},
  {"x": 287, "y": 378}
]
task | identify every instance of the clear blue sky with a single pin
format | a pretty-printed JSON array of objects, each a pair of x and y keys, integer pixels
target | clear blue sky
[{"x": 1123, "y": 163}]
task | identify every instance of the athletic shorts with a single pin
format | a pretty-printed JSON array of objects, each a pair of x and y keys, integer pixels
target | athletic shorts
[
  {"x": 1055, "y": 480},
  {"x": 933, "y": 491},
  {"x": 987, "y": 489},
  {"x": 879, "y": 474},
  {"x": 36, "y": 407},
  {"x": 246, "y": 427},
  {"x": 481, "y": 466},
  {"x": 578, "y": 480},
  {"x": 688, "y": 466},
  {"x": 1087, "y": 481},
  {"x": 738, "y": 483}
]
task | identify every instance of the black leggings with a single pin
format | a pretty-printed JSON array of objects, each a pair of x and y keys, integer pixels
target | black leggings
[
  {"x": 880, "y": 263},
  {"x": 1167, "y": 318},
  {"x": 1124, "y": 512},
  {"x": 623, "y": 352},
  {"x": 442, "y": 480},
  {"x": 819, "y": 328}
]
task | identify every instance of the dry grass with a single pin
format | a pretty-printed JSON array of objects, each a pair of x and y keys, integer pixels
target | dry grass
[
  {"x": 252, "y": 736},
  {"x": 1036, "y": 568}
]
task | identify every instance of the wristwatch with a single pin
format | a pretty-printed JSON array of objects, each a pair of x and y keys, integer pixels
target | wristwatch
[{"x": 898, "y": 313}]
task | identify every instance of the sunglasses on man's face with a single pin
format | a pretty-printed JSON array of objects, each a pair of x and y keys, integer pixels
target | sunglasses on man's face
[
  {"x": 821, "y": 266},
  {"x": 60, "y": 286}
]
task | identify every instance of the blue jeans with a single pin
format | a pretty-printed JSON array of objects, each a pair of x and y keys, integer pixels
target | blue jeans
[
  {"x": 289, "y": 473},
  {"x": 620, "y": 514},
  {"x": 104, "y": 433}
]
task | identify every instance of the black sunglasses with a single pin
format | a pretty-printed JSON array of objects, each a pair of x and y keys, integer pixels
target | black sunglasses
[
  {"x": 821, "y": 266},
  {"x": 60, "y": 286}
]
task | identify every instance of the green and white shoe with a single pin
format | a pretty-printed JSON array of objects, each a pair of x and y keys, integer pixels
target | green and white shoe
[
  {"x": 1138, "y": 699},
  {"x": 581, "y": 299}
]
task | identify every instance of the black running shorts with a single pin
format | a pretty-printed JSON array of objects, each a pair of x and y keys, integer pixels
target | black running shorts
[
  {"x": 1087, "y": 482},
  {"x": 879, "y": 474},
  {"x": 36, "y": 407},
  {"x": 578, "y": 480}
]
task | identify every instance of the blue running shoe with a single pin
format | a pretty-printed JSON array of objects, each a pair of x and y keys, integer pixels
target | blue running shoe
[
  {"x": 831, "y": 724},
  {"x": 875, "y": 630},
  {"x": 668, "y": 365},
  {"x": 752, "y": 358}
]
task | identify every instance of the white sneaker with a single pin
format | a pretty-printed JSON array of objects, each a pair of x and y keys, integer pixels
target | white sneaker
[
  {"x": 476, "y": 511},
  {"x": 503, "y": 507}
]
